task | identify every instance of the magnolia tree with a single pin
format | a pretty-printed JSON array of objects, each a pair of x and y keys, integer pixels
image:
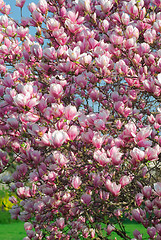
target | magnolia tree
[{"x": 80, "y": 117}]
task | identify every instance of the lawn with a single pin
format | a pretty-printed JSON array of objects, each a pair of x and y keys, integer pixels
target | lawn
[
  {"x": 130, "y": 227},
  {"x": 12, "y": 231},
  {"x": 15, "y": 231}
]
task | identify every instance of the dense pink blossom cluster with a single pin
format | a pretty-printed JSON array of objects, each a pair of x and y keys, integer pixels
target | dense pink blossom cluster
[{"x": 80, "y": 116}]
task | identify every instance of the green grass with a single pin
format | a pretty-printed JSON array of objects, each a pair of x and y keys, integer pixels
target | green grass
[
  {"x": 15, "y": 231},
  {"x": 12, "y": 231},
  {"x": 130, "y": 226}
]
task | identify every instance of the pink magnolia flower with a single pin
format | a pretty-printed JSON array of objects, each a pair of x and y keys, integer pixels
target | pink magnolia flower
[
  {"x": 70, "y": 112},
  {"x": 139, "y": 199},
  {"x": 37, "y": 16},
  {"x": 147, "y": 191},
  {"x": 28, "y": 226},
  {"x": 116, "y": 155},
  {"x": 58, "y": 138},
  {"x": 143, "y": 48},
  {"x": 99, "y": 124},
  {"x": 76, "y": 182},
  {"x": 150, "y": 35},
  {"x": 1, "y": 4},
  {"x": 60, "y": 159},
  {"x": 4, "y": 20},
  {"x": 104, "y": 114},
  {"x": 102, "y": 61},
  {"x": 73, "y": 132},
  {"x": 143, "y": 133},
  {"x": 13, "y": 122},
  {"x": 84, "y": 5},
  {"x": 137, "y": 155},
  {"x": 125, "y": 180},
  {"x": 109, "y": 229},
  {"x": 118, "y": 124},
  {"x": 32, "y": 7},
  {"x": 137, "y": 234},
  {"x": 11, "y": 30},
  {"x": 86, "y": 199},
  {"x": 60, "y": 222},
  {"x": 157, "y": 213},
  {"x": 36, "y": 50},
  {"x": 113, "y": 187},
  {"x": 125, "y": 18},
  {"x": 57, "y": 109},
  {"x": 157, "y": 188},
  {"x": 149, "y": 204},
  {"x": 29, "y": 117},
  {"x": 52, "y": 24},
  {"x": 3, "y": 49},
  {"x": 56, "y": 90},
  {"x": 121, "y": 67},
  {"x": 37, "y": 130},
  {"x": 105, "y": 25},
  {"x": 33, "y": 177},
  {"x": 151, "y": 154},
  {"x": 24, "y": 192},
  {"x": 104, "y": 195},
  {"x": 12, "y": 199},
  {"x": 87, "y": 136},
  {"x": 20, "y": 3},
  {"x": 97, "y": 140},
  {"x": 20, "y": 99},
  {"x": 132, "y": 32},
  {"x": 116, "y": 39},
  {"x": 158, "y": 228},
  {"x": 15, "y": 211},
  {"x": 6, "y": 9},
  {"x": 136, "y": 215},
  {"x": 85, "y": 59},
  {"x": 106, "y": 5},
  {"x": 8, "y": 80},
  {"x": 81, "y": 80},
  {"x": 101, "y": 157},
  {"x": 50, "y": 53},
  {"x": 43, "y": 6},
  {"x": 119, "y": 107},
  {"x": 22, "y": 32},
  {"x": 39, "y": 206},
  {"x": 74, "y": 54},
  {"x": 151, "y": 231}
]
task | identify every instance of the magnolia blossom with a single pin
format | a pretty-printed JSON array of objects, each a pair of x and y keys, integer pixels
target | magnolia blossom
[
  {"x": 58, "y": 138},
  {"x": 76, "y": 182},
  {"x": 101, "y": 157},
  {"x": 137, "y": 154},
  {"x": 70, "y": 112},
  {"x": 60, "y": 222},
  {"x": 20, "y": 3},
  {"x": 24, "y": 192},
  {"x": 56, "y": 90},
  {"x": 157, "y": 188},
  {"x": 97, "y": 140},
  {"x": 115, "y": 155},
  {"x": 52, "y": 24},
  {"x": 151, "y": 231},
  {"x": 74, "y": 54},
  {"x": 80, "y": 116},
  {"x": 73, "y": 132},
  {"x": 42, "y": 5},
  {"x": 125, "y": 180},
  {"x": 59, "y": 158},
  {"x": 113, "y": 187},
  {"x": 86, "y": 199}
]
